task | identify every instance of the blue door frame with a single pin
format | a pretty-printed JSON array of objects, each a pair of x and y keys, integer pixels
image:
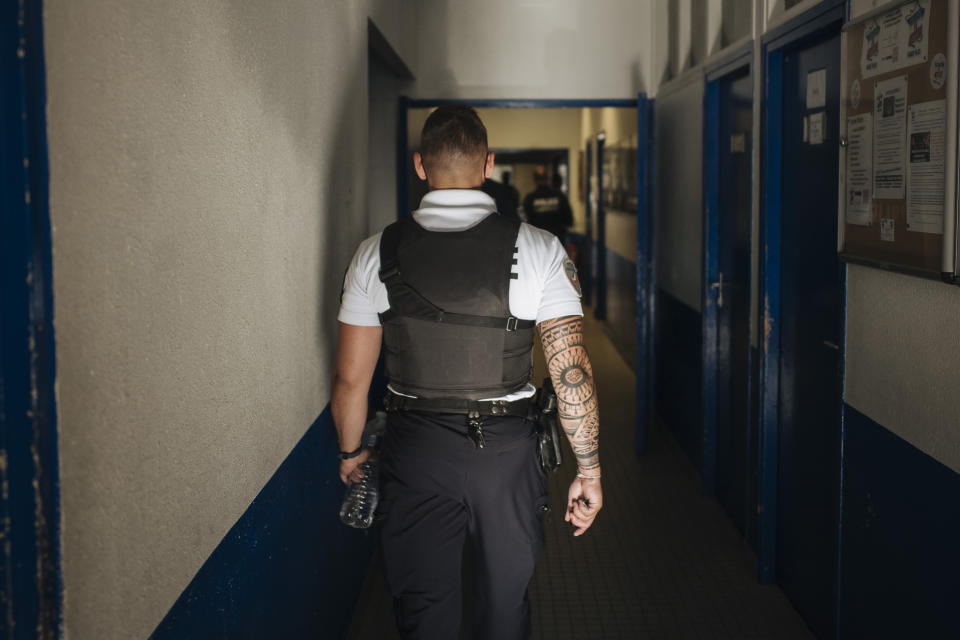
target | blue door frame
[
  {"x": 30, "y": 570},
  {"x": 600, "y": 242},
  {"x": 825, "y": 18},
  {"x": 645, "y": 237},
  {"x": 731, "y": 64}
]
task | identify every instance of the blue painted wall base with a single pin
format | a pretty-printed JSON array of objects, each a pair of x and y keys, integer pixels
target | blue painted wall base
[
  {"x": 678, "y": 379},
  {"x": 900, "y": 542},
  {"x": 622, "y": 306},
  {"x": 288, "y": 568}
]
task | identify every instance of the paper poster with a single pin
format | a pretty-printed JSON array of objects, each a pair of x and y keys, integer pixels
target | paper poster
[
  {"x": 889, "y": 138},
  {"x": 817, "y": 124},
  {"x": 860, "y": 169},
  {"x": 926, "y": 124},
  {"x": 938, "y": 71},
  {"x": 896, "y": 39},
  {"x": 738, "y": 142},
  {"x": 886, "y": 230},
  {"x": 817, "y": 89}
]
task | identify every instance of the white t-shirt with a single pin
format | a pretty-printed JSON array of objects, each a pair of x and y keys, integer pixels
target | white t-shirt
[{"x": 543, "y": 289}]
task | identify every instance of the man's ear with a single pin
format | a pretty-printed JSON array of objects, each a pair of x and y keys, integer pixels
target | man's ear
[
  {"x": 488, "y": 168},
  {"x": 418, "y": 165}
]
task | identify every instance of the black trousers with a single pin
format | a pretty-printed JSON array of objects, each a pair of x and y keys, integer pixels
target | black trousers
[{"x": 436, "y": 488}]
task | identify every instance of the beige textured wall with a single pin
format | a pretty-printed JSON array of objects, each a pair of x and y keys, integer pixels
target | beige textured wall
[
  {"x": 620, "y": 126},
  {"x": 397, "y": 20},
  {"x": 903, "y": 356},
  {"x": 207, "y": 183},
  {"x": 679, "y": 189},
  {"x": 534, "y": 49}
]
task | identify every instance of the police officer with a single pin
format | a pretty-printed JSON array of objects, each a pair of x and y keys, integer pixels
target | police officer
[
  {"x": 454, "y": 293},
  {"x": 547, "y": 207}
]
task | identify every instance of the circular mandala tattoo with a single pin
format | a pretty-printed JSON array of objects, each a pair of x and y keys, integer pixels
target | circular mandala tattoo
[{"x": 574, "y": 376}]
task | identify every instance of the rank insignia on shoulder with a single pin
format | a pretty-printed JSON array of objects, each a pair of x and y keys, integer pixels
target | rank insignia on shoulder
[{"x": 571, "y": 270}]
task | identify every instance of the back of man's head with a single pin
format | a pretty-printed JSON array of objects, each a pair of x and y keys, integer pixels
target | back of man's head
[
  {"x": 453, "y": 142},
  {"x": 540, "y": 175}
]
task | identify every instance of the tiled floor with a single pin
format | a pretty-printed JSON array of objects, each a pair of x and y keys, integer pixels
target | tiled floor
[{"x": 660, "y": 561}]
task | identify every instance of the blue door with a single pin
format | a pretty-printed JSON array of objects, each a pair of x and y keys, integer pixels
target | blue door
[
  {"x": 644, "y": 275},
  {"x": 729, "y": 292},
  {"x": 810, "y": 333}
]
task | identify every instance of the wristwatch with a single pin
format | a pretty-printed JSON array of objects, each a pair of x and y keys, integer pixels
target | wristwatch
[{"x": 346, "y": 455}]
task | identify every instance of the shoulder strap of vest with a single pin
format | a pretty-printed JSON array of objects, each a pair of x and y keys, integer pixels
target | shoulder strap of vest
[{"x": 414, "y": 304}]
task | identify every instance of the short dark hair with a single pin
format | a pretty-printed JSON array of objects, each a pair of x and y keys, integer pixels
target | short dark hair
[
  {"x": 452, "y": 133},
  {"x": 540, "y": 174}
]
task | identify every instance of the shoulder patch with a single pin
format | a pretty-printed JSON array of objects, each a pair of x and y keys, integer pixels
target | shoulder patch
[{"x": 571, "y": 270}]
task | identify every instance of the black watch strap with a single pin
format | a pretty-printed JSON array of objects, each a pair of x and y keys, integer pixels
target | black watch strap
[{"x": 346, "y": 455}]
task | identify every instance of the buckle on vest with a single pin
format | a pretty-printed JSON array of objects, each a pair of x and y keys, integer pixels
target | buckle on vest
[{"x": 512, "y": 323}]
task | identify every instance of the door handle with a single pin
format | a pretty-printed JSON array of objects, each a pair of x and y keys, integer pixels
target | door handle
[
  {"x": 832, "y": 345},
  {"x": 718, "y": 287}
]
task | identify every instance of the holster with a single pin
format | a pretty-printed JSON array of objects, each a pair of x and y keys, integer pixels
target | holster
[{"x": 548, "y": 427}]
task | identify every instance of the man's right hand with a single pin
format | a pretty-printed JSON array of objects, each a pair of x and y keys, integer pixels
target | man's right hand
[{"x": 350, "y": 471}]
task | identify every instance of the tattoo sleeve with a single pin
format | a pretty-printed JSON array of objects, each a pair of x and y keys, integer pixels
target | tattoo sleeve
[{"x": 572, "y": 376}]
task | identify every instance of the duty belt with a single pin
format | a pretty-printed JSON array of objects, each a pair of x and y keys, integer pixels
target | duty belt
[{"x": 474, "y": 410}]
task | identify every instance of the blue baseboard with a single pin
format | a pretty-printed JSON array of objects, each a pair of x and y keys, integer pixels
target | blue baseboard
[
  {"x": 678, "y": 373},
  {"x": 900, "y": 538},
  {"x": 622, "y": 306},
  {"x": 288, "y": 568}
]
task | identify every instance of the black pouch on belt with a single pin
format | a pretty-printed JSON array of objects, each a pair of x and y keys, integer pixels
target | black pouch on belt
[{"x": 548, "y": 427}]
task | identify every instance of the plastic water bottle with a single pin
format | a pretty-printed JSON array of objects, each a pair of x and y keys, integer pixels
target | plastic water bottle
[
  {"x": 360, "y": 501},
  {"x": 362, "y": 497}
]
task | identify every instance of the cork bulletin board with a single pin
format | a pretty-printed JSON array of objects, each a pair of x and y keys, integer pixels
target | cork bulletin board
[{"x": 894, "y": 137}]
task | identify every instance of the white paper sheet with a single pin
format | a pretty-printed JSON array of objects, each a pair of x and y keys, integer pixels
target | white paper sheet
[
  {"x": 860, "y": 169},
  {"x": 926, "y": 124},
  {"x": 890, "y": 138},
  {"x": 887, "y": 230},
  {"x": 896, "y": 39},
  {"x": 817, "y": 89},
  {"x": 817, "y": 126}
]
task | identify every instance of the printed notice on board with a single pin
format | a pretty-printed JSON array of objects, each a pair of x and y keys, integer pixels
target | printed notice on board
[
  {"x": 896, "y": 39},
  {"x": 889, "y": 138},
  {"x": 926, "y": 123},
  {"x": 860, "y": 169}
]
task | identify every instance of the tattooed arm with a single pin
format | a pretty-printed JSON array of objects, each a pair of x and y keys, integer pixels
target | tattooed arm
[{"x": 572, "y": 376}]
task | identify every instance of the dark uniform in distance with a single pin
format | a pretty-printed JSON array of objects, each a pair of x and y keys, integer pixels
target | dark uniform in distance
[
  {"x": 506, "y": 197},
  {"x": 548, "y": 208}
]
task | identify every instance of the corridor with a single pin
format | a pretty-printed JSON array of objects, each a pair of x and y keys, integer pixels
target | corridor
[
  {"x": 765, "y": 234},
  {"x": 660, "y": 562}
]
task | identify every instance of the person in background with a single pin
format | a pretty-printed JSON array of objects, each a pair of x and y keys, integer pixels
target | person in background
[
  {"x": 547, "y": 207},
  {"x": 506, "y": 197},
  {"x": 514, "y": 194}
]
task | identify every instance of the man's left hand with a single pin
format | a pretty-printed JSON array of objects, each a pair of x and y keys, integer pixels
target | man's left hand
[{"x": 584, "y": 501}]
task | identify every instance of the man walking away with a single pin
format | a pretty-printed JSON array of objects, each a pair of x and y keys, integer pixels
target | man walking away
[{"x": 455, "y": 292}]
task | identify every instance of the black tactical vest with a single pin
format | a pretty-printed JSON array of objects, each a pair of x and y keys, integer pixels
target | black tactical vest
[{"x": 448, "y": 332}]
